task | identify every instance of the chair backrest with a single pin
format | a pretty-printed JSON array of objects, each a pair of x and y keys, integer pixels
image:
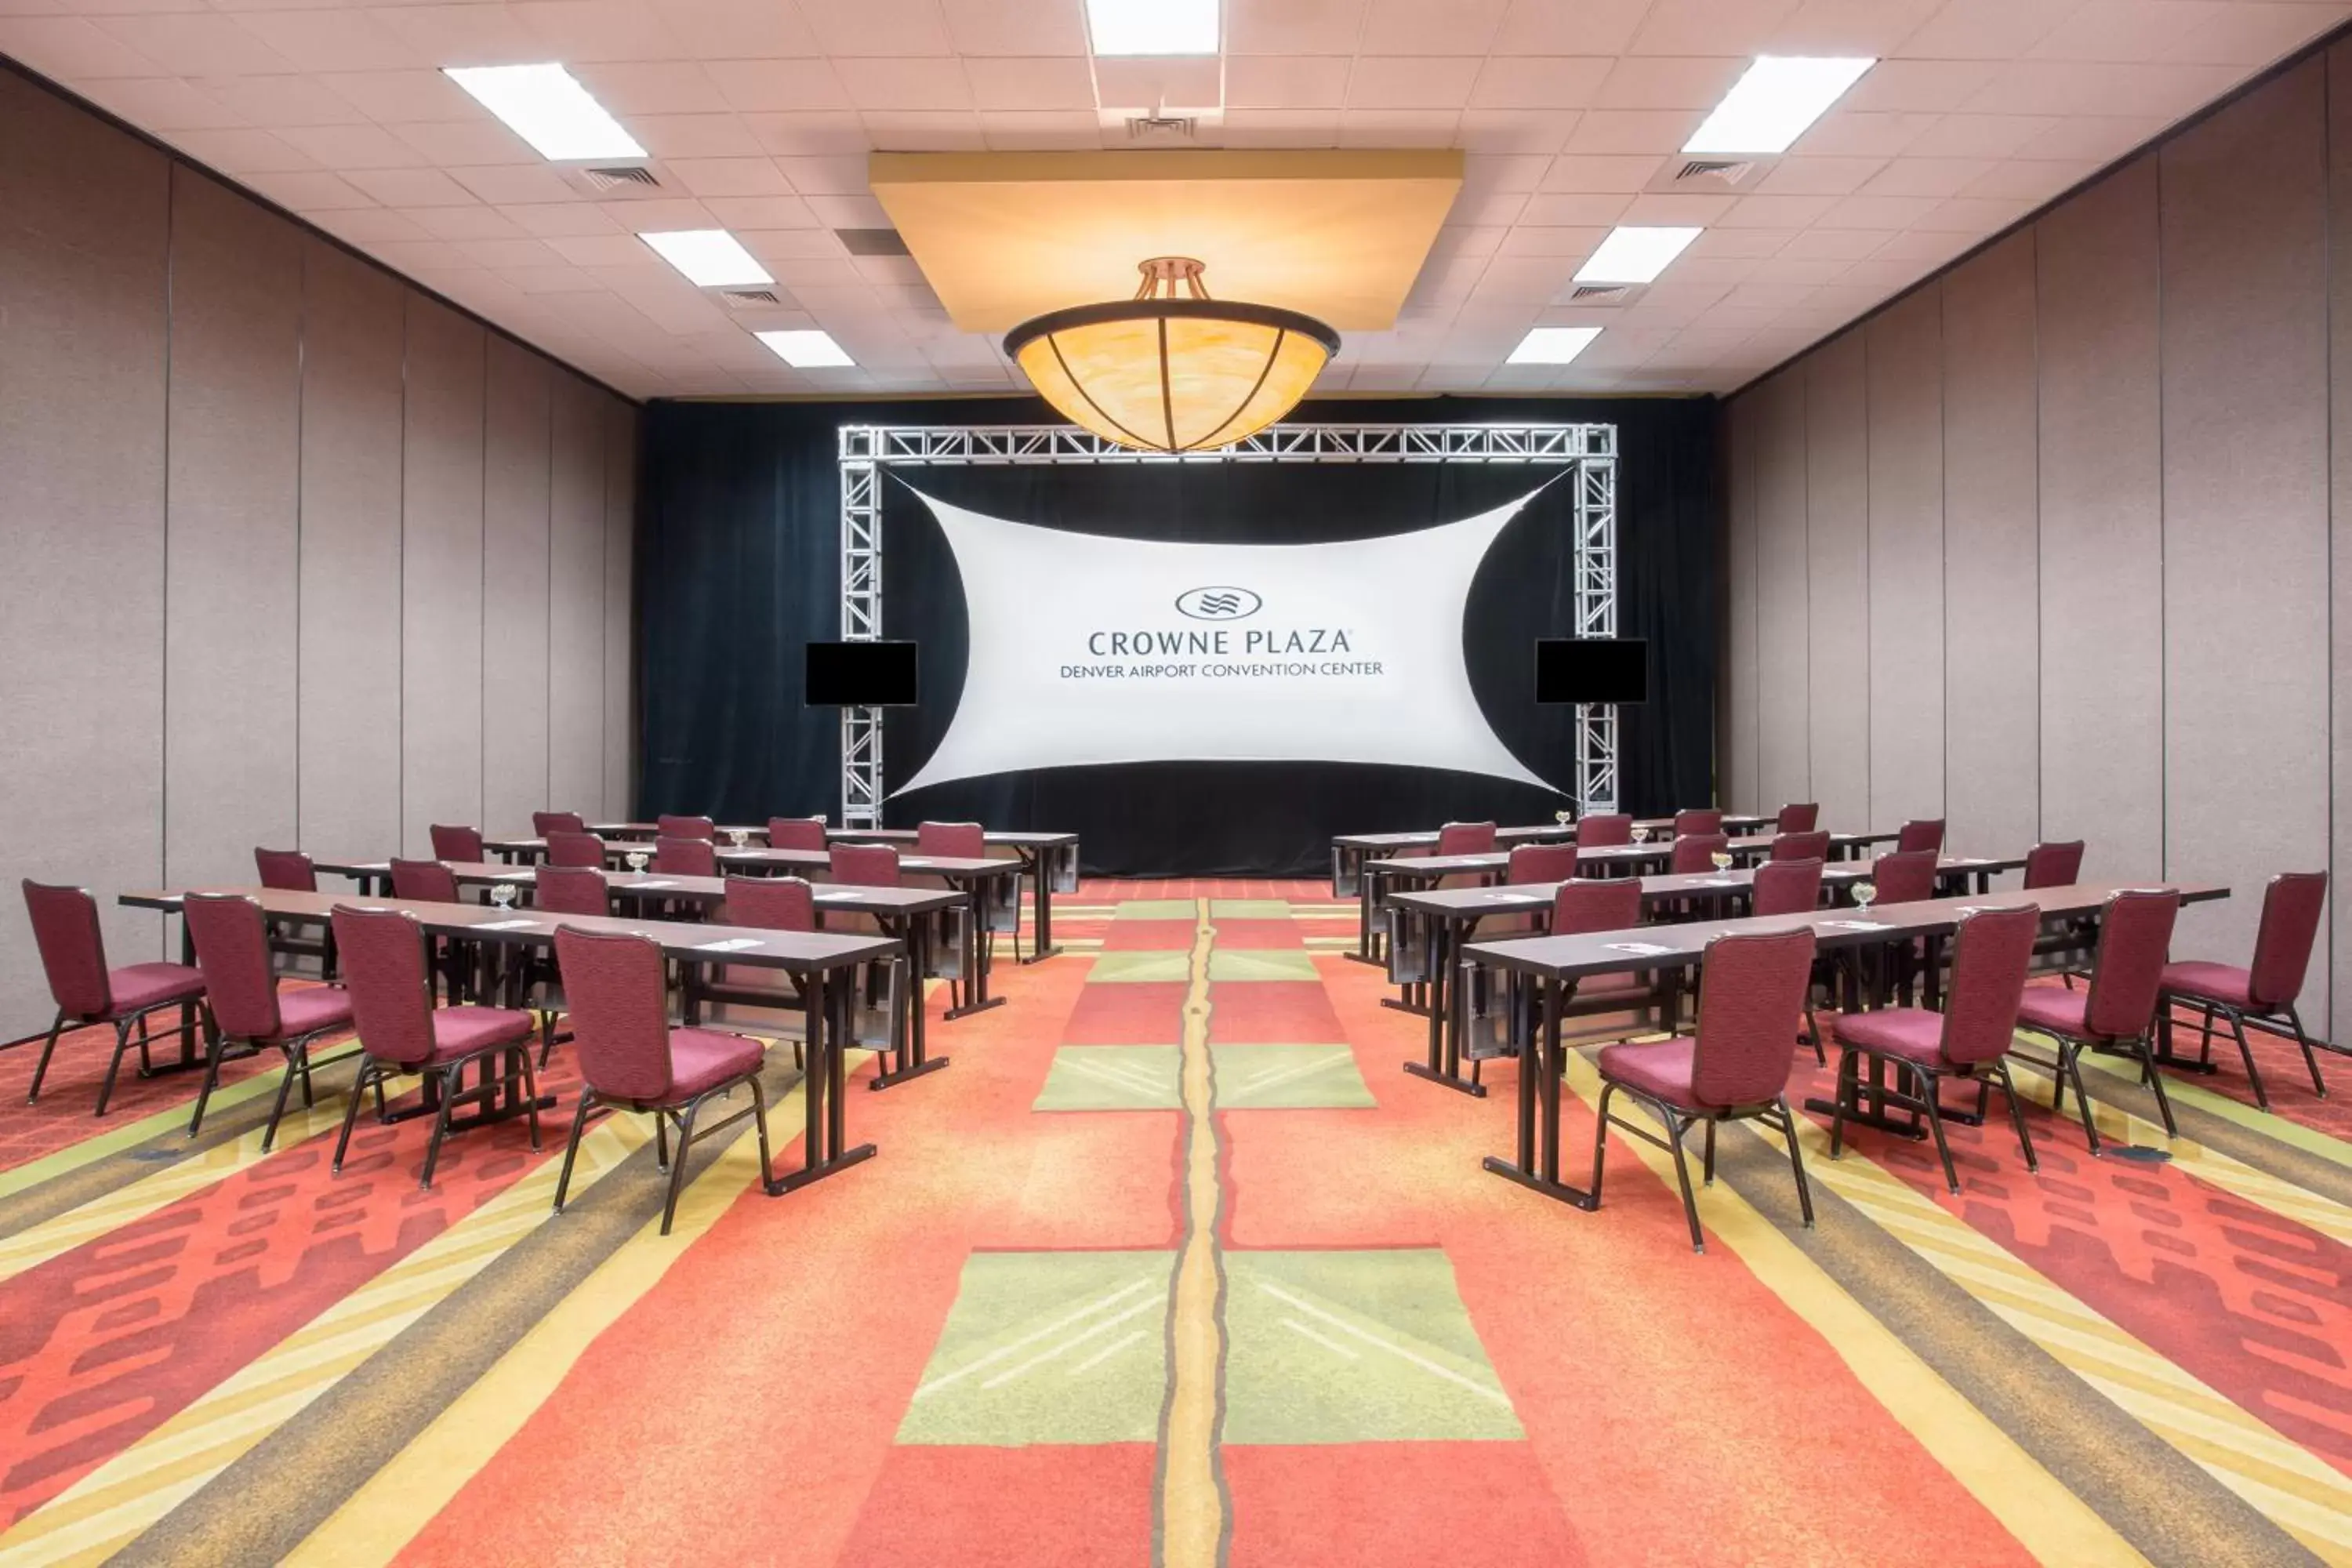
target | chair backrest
[
  {"x": 1808, "y": 844},
  {"x": 1465, "y": 839},
  {"x": 669, "y": 827},
  {"x": 1605, "y": 831},
  {"x": 1905, "y": 877},
  {"x": 2054, "y": 864},
  {"x": 572, "y": 891},
  {"x": 543, "y": 822},
  {"x": 2135, "y": 933},
  {"x": 233, "y": 949},
  {"x": 952, "y": 840},
  {"x": 1699, "y": 819},
  {"x": 565, "y": 847},
  {"x": 617, "y": 995},
  {"x": 771, "y": 904},
  {"x": 2291, "y": 907},
  {"x": 1798, "y": 818},
  {"x": 796, "y": 833},
  {"x": 1751, "y": 998},
  {"x": 428, "y": 881},
  {"x": 1596, "y": 903},
  {"x": 462, "y": 845},
  {"x": 382, "y": 957},
  {"x": 1540, "y": 863},
  {"x": 1991, "y": 952},
  {"x": 686, "y": 857},
  {"x": 1921, "y": 833},
  {"x": 1788, "y": 888},
  {"x": 73, "y": 950},
  {"x": 865, "y": 864},
  {"x": 287, "y": 870},
  {"x": 1696, "y": 852}
]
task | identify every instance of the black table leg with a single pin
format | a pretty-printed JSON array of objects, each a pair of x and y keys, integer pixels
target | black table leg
[
  {"x": 1536, "y": 1167},
  {"x": 1367, "y": 936},
  {"x": 918, "y": 938},
  {"x": 977, "y": 943},
  {"x": 1040, "y": 867},
  {"x": 822, "y": 1153},
  {"x": 1445, "y": 1063}
]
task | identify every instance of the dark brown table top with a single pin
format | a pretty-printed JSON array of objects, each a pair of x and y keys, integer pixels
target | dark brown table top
[
  {"x": 1533, "y": 834},
  {"x": 710, "y": 890},
  {"x": 1010, "y": 838},
  {"x": 689, "y": 942},
  {"x": 911, "y": 865},
  {"x": 1458, "y": 902}
]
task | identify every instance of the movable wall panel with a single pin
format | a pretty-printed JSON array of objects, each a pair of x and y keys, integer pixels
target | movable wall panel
[
  {"x": 2244, "y": 215},
  {"x": 575, "y": 632},
  {"x": 1991, "y": 567},
  {"x": 620, "y": 568},
  {"x": 515, "y": 590},
  {"x": 2103, "y": 526},
  {"x": 1906, "y": 591},
  {"x": 1783, "y": 749},
  {"x": 2339, "y": 375},
  {"x": 232, "y": 535},
  {"x": 441, "y": 575},
  {"x": 1837, "y": 592},
  {"x": 83, "y": 227},
  {"x": 1736, "y": 759}
]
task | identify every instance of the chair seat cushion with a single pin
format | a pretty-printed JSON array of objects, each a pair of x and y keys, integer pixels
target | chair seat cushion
[
  {"x": 311, "y": 1009},
  {"x": 1660, "y": 1068},
  {"x": 461, "y": 1031},
  {"x": 140, "y": 986},
  {"x": 1914, "y": 1034},
  {"x": 700, "y": 1059},
  {"x": 2058, "y": 1011},
  {"x": 2210, "y": 982},
  {"x": 1611, "y": 994}
]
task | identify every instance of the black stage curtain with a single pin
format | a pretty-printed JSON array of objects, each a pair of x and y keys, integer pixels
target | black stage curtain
[{"x": 738, "y": 566}]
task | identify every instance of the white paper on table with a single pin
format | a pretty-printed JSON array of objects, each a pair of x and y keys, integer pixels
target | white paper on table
[
  {"x": 1857, "y": 925},
  {"x": 1645, "y": 949},
  {"x": 506, "y": 925},
  {"x": 730, "y": 944},
  {"x": 641, "y": 887}
]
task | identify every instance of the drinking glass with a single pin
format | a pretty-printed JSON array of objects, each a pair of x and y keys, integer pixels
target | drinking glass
[
  {"x": 637, "y": 860},
  {"x": 1863, "y": 891},
  {"x": 1563, "y": 817},
  {"x": 1641, "y": 836},
  {"x": 737, "y": 837},
  {"x": 1722, "y": 858},
  {"x": 502, "y": 894}
]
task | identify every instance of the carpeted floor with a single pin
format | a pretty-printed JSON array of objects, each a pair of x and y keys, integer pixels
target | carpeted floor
[{"x": 1172, "y": 1264}]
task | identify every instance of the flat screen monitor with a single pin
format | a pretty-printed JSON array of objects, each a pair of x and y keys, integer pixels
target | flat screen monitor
[
  {"x": 860, "y": 675},
  {"x": 1592, "y": 670}
]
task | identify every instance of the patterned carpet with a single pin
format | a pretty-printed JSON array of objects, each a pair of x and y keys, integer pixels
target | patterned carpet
[{"x": 1172, "y": 1265}]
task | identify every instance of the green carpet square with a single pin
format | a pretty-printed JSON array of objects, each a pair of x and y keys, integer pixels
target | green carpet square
[
  {"x": 1355, "y": 1347},
  {"x": 1113, "y": 1078},
  {"x": 1156, "y": 910},
  {"x": 1249, "y": 908},
  {"x": 1116, "y": 968},
  {"x": 1265, "y": 963},
  {"x": 1048, "y": 1347},
  {"x": 1289, "y": 1077}
]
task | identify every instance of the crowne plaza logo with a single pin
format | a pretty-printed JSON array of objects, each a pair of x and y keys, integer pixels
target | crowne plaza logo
[{"x": 1219, "y": 604}]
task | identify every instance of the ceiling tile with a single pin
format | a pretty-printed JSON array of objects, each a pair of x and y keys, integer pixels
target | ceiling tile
[
  {"x": 1979, "y": 136},
  {"x": 1668, "y": 81},
  {"x": 162, "y": 103},
  {"x": 587, "y": 30},
  {"x": 729, "y": 176},
  {"x": 1286, "y": 82},
  {"x": 476, "y": 35},
  {"x": 797, "y": 86},
  {"x": 1853, "y": 135},
  {"x": 306, "y": 191},
  {"x": 455, "y": 144},
  {"x": 980, "y": 27},
  {"x": 465, "y": 222},
  {"x": 876, "y": 26},
  {"x": 1878, "y": 212},
  {"x": 1568, "y": 27},
  {"x": 277, "y": 101},
  {"x": 1678, "y": 208},
  {"x": 1926, "y": 176},
  {"x": 1589, "y": 172},
  {"x": 2051, "y": 86},
  {"x": 632, "y": 87},
  {"x": 1553, "y": 210},
  {"x": 922, "y": 84},
  {"x": 2249, "y": 35},
  {"x": 1504, "y": 131},
  {"x": 239, "y": 152},
  {"x": 1852, "y": 27},
  {"x": 411, "y": 187},
  {"x": 1540, "y": 81},
  {"x": 71, "y": 49},
  {"x": 808, "y": 135},
  {"x": 2032, "y": 180},
  {"x": 1294, "y": 27},
  {"x": 2095, "y": 138},
  {"x": 912, "y": 130},
  {"x": 197, "y": 44},
  {"x": 1403, "y": 81},
  {"x": 564, "y": 219},
  {"x": 400, "y": 97},
  {"x": 1628, "y": 131},
  {"x": 1178, "y": 83},
  {"x": 1834, "y": 244},
  {"x": 1728, "y": 28},
  {"x": 1030, "y": 83},
  {"x": 352, "y": 146},
  {"x": 330, "y": 40},
  {"x": 1819, "y": 176},
  {"x": 1986, "y": 29},
  {"x": 2125, "y": 29},
  {"x": 1915, "y": 86},
  {"x": 1064, "y": 130},
  {"x": 732, "y": 30},
  {"x": 514, "y": 184},
  {"x": 696, "y": 136},
  {"x": 1431, "y": 27},
  {"x": 770, "y": 212}
]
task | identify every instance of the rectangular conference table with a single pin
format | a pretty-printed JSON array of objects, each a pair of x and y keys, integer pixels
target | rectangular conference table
[
  {"x": 1448, "y": 918},
  {"x": 1548, "y": 967},
  {"x": 1050, "y": 858},
  {"x": 824, "y": 964},
  {"x": 1351, "y": 850}
]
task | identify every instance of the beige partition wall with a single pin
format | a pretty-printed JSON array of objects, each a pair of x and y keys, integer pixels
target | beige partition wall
[
  {"x": 2103, "y": 471},
  {"x": 279, "y": 529}
]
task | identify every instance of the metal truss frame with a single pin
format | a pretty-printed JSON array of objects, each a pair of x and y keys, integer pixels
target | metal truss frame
[{"x": 867, "y": 450}]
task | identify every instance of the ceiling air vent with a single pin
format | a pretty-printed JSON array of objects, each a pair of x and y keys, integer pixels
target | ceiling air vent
[
  {"x": 613, "y": 179},
  {"x": 871, "y": 241},
  {"x": 1724, "y": 170},
  {"x": 1161, "y": 127},
  {"x": 748, "y": 299},
  {"x": 1600, "y": 294}
]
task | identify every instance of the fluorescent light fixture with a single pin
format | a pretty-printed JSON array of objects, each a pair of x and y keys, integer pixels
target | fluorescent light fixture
[
  {"x": 805, "y": 349},
  {"x": 1553, "y": 345},
  {"x": 1773, "y": 101},
  {"x": 1153, "y": 27},
  {"x": 710, "y": 257},
  {"x": 547, "y": 108},
  {"x": 1631, "y": 255}
]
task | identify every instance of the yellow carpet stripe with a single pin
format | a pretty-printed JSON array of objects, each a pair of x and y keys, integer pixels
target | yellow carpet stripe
[
  {"x": 114, "y": 1503},
  {"x": 2303, "y": 1494},
  {"x": 2014, "y": 1487},
  {"x": 131, "y": 1134},
  {"x": 2280, "y": 1129}
]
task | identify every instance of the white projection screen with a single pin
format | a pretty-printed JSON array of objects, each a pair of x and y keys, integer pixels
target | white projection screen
[{"x": 1150, "y": 650}]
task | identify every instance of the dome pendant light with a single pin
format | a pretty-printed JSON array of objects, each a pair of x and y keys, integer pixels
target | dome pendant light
[{"x": 1164, "y": 373}]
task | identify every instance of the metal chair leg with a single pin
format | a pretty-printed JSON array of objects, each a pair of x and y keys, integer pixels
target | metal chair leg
[
  {"x": 2017, "y": 1116},
  {"x": 531, "y": 1091},
  {"x": 295, "y": 1052},
  {"x": 661, "y": 1142},
  {"x": 450, "y": 1085},
  {"x": 572, "y": 1146},
  {"x": 2070, "y": 1067},
  {"x": 1707, "y": 1169},
  {"x": 2246, "y": 1054},
  {"x": 677, "y": 1166},
  {"x": 1674, "y": 1131},
  {"x": 114, "y": 1066},
  {"x": 369, "y": 1074},
  {"x": 1600, "y": 1130},
  {"x": 2156, "y": 1083},
  {"x": 1930, "y": 1094},
  {"x": 2310, "y": 1057},
  {"x": 217, "y": 1046},
  {"x": 1797, "y": 1164},
  {"x": 760, "y": 1121},
  {"x": 41, "y": 1067},
  {"x": 1848, "y": 1087}
]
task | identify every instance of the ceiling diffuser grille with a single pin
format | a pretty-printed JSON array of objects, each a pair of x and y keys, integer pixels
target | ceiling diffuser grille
[{"x": 613, "y": 178}]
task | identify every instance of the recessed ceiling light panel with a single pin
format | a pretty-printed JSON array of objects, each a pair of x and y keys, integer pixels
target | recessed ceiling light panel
[
  {"x": 1152, "y": 26},
  {"x": 1553, "y": 345},
  {"x": 1635, "y": 255},
  {"x": 710, "y": 257},
  {"x": 807, "y": 348},
  {"x": 547, "y": 108},
  {"x": 1773, "y": 101}
]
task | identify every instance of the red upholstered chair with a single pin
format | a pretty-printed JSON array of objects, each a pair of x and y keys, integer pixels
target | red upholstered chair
[
  {"x": 573, "y": 848},
  {"x": 459, "y": 846},
  {"x": 952, "y": 840},
  {"x": 1697, "y": 820},
  {"x": 2263, "y": 995},
  {"x": 2117, "y": 1010},
  {"x": 1591, "y": 904},
  {"x": 1465, "y": 839},
  {"x": 669, "y": 827},
  {"x": 401, "y": 1032},
  {"x": 1732, "y": 1066},
  {"x": 1787, "y": 887},
  {"x": 1800, "y": 818},
  {"x": 796, "y": 833},
  {"x": 547, "y": 824},
  {"x": 1969, "y": 1038},
  {"x": 685, "y": 858},
  {"x": 865, "y": 864},
  {"x": 287, "y": 870},
  {"x": 572, "y": 891},
  {"x": 631, "y": 1059},
  {"x": 233, "y": 949},
  {"x": 1605, "y": 831},
  {"x": 426, "y": 881},
  {"x": 73, "y": 955},
  {"x": 1805, "y": 845},
  {"x": 1532, "y": 863},
  {"x": 769, "y": 904},
  {"x": 1695, "y": 853},
  {"x": 1921, "y": 833},
  {"x": 2054, "y": 864},
  {"x": 1905, "y": 877}
]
